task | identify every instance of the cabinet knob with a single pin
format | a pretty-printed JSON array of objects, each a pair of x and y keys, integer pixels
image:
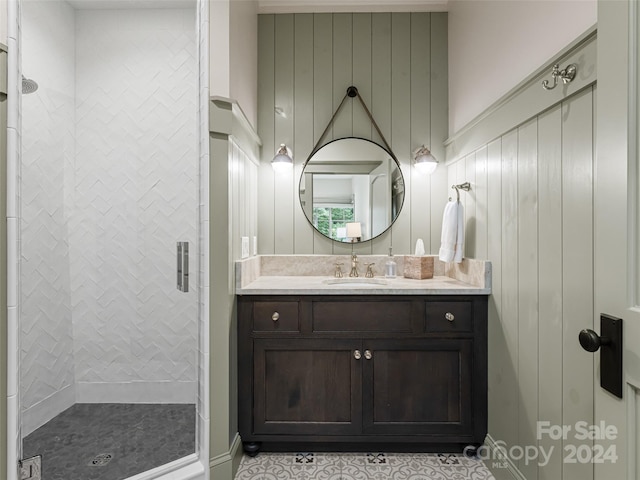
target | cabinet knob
[
  {"x": 449, "y": 316},
  {"x": 357, "y": 355},
  {"x": 368, "y": 355},
  {"x": 275, "y": 316}
]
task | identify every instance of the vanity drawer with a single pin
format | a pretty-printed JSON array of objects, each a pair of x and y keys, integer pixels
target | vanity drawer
[
  {"x": 449, "y": 316},
  {"x": 366, "y": 316},
  {"x": 281, "y": 316}
]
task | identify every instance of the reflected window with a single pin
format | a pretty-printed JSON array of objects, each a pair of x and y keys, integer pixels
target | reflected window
[{"x": 332, "y": 221}]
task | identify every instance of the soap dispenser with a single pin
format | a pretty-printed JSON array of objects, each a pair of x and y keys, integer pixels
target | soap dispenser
[{"x": 390, "y": 267}]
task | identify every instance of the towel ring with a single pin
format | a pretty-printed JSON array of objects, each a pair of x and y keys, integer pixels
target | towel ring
[{"x": 466, "y": 186}]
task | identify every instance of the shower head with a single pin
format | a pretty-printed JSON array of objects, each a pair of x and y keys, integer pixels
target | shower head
[{"x": 28, "y": 86}]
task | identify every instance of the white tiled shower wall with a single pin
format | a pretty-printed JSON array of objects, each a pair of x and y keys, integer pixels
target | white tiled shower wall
[
  {"x": 48, "y": 373},
  {"x": 120, "y": 195}
]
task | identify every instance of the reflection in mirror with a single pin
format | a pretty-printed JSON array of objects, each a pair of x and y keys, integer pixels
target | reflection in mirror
[{"x": 351, "y": 180}]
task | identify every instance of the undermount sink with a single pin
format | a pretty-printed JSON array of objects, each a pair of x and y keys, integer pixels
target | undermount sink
[{"x": 355, "y": 281}]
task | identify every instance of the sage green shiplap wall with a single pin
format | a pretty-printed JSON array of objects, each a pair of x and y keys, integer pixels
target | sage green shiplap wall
[
  {"x": 398, "y": 62},
  {"x": 530, "y": 212},
  {"x": 3, "y": 261}
]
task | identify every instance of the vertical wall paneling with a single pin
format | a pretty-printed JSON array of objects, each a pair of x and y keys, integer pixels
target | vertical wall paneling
[
  {"x": 460, "y": 177},
  {"x": 527, "y": 262},
  {"x": 470, "y": 207},
  {"x": 284, "y": 185},
  {"x": 577, "y": 263},
  {"x": 266, "y": 122},
  {"x": 500, "y": 370},
  {"x": 532, "y": 205},
  {"x": 381, "y": 104},
  {"x": 362, "y": 78},
  {"x": 401, "y": 120},
  {"x": 480, "y": 194},
  {"x": 3, "y": 273},
  {"x": 420, "y": 108},
  {"x": 343, "y": 75},
  {"x": 304, "y": 138},
  {"x": 381, "y": 73},
  {"x": 398, "y": 62},
  {"x": 235, "y": 195},
  {"x": 322, "y": 96},
  {"x": 439, "y": 110},
  {"x": 509, "y": 314},
  {"x": 234, "y": 148},
  {"x": 550, "y": 281}
]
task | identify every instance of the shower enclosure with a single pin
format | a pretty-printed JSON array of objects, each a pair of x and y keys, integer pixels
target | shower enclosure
[{"x": 108, "y": 183}]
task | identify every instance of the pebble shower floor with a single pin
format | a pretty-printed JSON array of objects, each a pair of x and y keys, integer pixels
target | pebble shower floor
[{"x": 361, "y": 466}]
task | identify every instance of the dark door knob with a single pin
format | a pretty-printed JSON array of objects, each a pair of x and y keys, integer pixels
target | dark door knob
[{"x": 591, "y": 341}]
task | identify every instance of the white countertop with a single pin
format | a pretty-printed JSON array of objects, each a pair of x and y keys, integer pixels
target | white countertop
[{"x": 318, "y": 285}]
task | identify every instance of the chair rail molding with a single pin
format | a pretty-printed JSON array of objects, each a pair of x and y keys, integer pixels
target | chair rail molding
[{"x": 528, "y": 99}]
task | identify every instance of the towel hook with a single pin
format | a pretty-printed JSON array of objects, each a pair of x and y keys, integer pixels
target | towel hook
[
  {"x": 466, "y": 186},
  {"x": 566, "y": 75}
]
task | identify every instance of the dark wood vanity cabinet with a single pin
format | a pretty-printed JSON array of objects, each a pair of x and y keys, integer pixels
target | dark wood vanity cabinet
[{"x": 343, "y": 372}]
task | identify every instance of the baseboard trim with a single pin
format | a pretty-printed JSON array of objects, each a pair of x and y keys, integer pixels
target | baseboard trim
[
  {"x": 42, "y": 412},
  {"x": 226, "y": 456},
  {"x": 498, "y": 462},
  {"x": 136, "y": 392}
]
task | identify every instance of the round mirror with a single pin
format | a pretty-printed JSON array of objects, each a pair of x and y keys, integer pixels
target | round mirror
[{"x": 351, "y": 189}]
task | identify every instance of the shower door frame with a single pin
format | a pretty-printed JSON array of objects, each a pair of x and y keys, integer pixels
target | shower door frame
[{"x": 191, "y": 467}]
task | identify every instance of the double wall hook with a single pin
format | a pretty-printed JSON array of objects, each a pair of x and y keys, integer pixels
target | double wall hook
[{"x": 566, "y": 75}]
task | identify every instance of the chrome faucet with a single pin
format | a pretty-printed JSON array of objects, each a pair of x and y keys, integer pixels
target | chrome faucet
[{"x": 354, "y": 266}]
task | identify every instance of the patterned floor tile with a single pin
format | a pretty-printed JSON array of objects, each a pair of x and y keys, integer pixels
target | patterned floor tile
[{"x": 361, "y": 466}]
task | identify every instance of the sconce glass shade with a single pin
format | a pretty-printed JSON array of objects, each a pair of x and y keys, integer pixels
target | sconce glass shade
[
  {"x": 282, "y": 162},
  {"x": 424, "y": 161}
]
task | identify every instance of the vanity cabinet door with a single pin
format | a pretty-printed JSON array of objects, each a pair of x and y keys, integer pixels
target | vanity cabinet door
[
  {"x": 307, "y": 387},
  {"x": 418, "y": 387}
]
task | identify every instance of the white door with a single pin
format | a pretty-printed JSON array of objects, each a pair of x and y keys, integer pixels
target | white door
[{"x": 616, "y": 221}]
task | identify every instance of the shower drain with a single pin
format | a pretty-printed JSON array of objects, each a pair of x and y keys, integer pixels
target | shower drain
[{"x": 101, "y": 460}]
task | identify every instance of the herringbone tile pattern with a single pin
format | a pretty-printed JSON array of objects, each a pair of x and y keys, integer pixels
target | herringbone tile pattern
[
  {"x": 135, "y": 196},
  {"x": 46, "y": 180},
  {"x": 109, "y": 184}
]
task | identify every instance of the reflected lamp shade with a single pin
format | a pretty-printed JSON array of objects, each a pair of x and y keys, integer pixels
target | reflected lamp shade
[
  {"x": 282, "y": 162},
  {"x": 354, "y": 230},
  {"x": 424, "y": 161}
]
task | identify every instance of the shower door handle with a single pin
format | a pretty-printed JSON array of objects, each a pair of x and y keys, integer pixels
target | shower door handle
[{"x": 183, "y": 266}]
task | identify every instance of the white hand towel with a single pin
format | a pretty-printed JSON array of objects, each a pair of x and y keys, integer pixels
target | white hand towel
[
  {"x": 452, "y": 238},
  {"x": 449, "y": 232},
  {"x": 460, "y": 235}
]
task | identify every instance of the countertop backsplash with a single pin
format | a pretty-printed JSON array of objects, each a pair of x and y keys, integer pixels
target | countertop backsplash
[{"x": 471, "y": 271}]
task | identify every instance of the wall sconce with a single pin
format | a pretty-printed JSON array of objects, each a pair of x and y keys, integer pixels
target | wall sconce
[
  {"x": 282, "y": 162},
  {"x": 354, "y": 231},
  {"x": 424, "y": 161}
]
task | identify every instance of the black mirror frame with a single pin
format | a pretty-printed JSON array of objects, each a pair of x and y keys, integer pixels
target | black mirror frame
[{"x": 315, "y": 150}]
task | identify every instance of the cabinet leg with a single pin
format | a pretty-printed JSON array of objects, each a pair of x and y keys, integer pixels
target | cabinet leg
[
  {"x": 471, "y": 451},
  {"x": 251, "y": 448}
]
